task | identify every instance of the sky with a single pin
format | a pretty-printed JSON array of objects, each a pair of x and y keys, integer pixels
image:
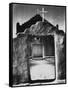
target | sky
[{"x": 23, "y": 12}]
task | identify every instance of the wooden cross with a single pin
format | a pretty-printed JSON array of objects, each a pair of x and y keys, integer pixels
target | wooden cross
[{"x": 43, "y": 13}]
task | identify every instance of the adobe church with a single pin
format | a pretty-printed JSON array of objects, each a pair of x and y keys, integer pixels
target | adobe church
[{"x": 39, "y": 52}]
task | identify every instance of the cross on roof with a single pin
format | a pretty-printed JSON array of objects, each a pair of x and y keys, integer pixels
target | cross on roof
[{"x": 43, "y": 13}]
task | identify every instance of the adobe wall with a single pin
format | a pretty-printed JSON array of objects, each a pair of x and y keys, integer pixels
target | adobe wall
[
  {"x": 60, "y": 56},
  {"x": 21, "y": 48},
  {"x": 20, "y": 61}
]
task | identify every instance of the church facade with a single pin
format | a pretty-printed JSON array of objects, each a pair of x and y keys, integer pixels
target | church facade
[{"x": 39, "y": 53}]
